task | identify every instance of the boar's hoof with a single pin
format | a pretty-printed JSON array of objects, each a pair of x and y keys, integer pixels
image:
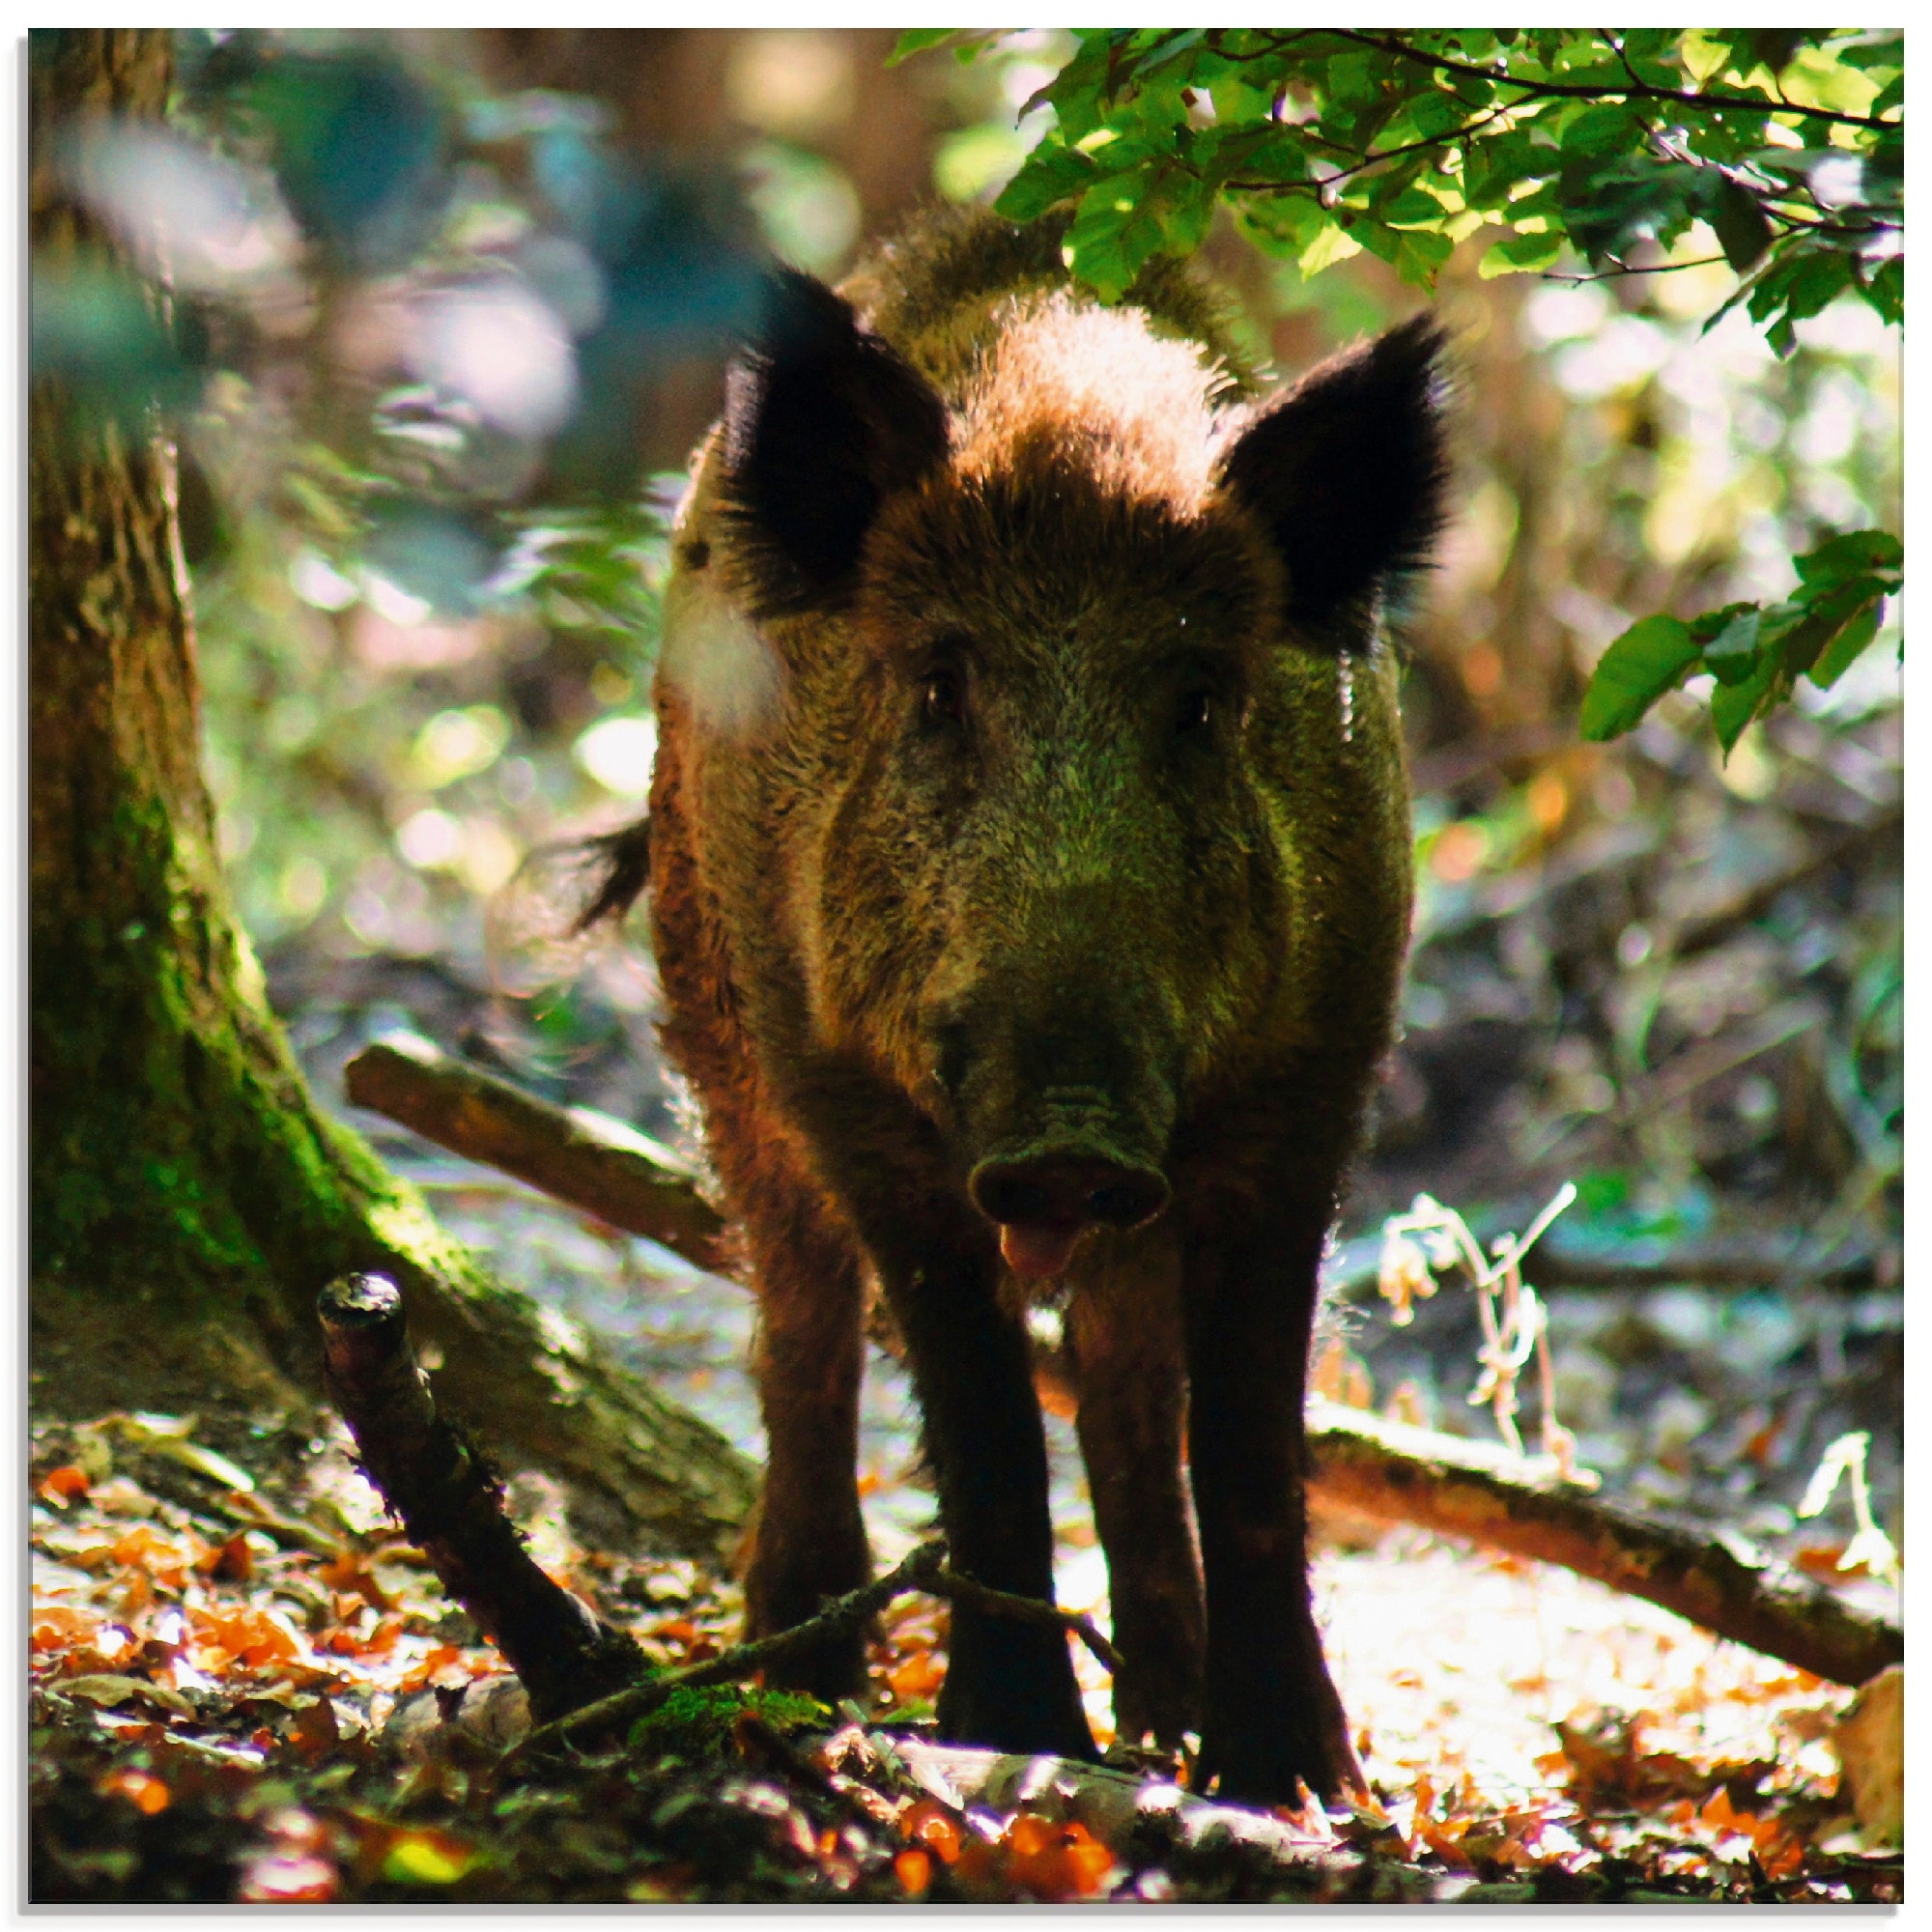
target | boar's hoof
[{"x": 1043, "y": 1207}]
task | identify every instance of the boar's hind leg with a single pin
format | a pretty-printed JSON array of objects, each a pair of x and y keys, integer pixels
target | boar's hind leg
[
  {"x": 811, "y": 1538},
  {"x": 1273, "y": 1714},
  {"x": 1009, "y": 1685},
  {"x": 1125, "y": 1329}
]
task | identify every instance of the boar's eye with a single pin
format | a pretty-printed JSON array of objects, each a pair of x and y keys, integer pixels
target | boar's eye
[
  {"x": 943, "y": 699},
  {"x": 1194, "y": 712}
]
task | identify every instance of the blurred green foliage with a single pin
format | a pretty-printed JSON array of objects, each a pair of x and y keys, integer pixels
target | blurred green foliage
[{"x": 1778, "y": 152}]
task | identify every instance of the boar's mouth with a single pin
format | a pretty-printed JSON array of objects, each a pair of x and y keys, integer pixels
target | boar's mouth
[{"x": 1044, "y": 1197}]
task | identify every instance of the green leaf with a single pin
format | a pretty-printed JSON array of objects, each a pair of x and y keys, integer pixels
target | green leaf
[
  {"x": 1521, "y": 254},
  {"x": 1413, "y": 208},
  {"x": 1111, "y": 235},
  {"x": 1334, "y": 243},
  {"x": 1420, "y": 254},
  {"x": 916, "y": 40},
  {"x": 1733, "y": 651},
  {"x": 1886, "y": 290},
  {"x": 1075, "y": 94},
  {"x": 1604, "y": 128},
  {"x": 1183, "y": 210},
  {"x": 1733, "y": 707},
  {"x": 1744, "y": 230},
  {"x": 1821, "y": 275},
  {"x": 1654, "y": 654},
  {"x": 1435, "y": 113},
  {"x": 1851, "y": 555},
  {"x": 1838, "y": 657},
  {"x": 1049, "y": 175}
]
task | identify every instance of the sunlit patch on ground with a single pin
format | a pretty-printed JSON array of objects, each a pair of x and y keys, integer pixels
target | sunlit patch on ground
[{"x": 1454, "y": 1664}]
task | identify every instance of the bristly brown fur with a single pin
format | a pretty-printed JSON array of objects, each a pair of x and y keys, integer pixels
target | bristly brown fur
[{"x": 1029, "y": 883}]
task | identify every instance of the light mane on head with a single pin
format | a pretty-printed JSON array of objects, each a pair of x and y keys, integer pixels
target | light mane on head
[{"x": 1129, "y": 406}]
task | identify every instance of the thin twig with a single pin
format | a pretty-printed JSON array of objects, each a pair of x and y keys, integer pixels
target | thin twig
[
  {"x": 843, "y": 1616},
  {"x": 975, "y": 1596},
  {"x": 924, "y": 1570}
]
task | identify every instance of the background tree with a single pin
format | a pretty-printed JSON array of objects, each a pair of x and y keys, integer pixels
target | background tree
[{"x": 186, "y": 1192}]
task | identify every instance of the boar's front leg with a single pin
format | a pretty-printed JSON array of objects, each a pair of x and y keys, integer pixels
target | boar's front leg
[
  {"x": 809, "y": 1543},
  {"x": 1125, "y": 1331},
  {"x": 1009, "y": 1685},
  {"x": 1273, "y": 1715}
]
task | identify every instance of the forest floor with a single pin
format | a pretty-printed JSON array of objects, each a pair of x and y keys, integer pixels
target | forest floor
[{"x": 246, "y": 1687}]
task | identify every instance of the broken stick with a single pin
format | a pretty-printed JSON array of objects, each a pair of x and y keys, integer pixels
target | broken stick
[
  {"x": 451, "y": 1504},
  {"x": 574, "y": 1153},
  {"x": 1480, "y": 1493}
]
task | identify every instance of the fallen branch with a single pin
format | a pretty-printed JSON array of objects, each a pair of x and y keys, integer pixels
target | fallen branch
[
  {"x": 575, "y": 1153},
  {"x": 1642, "y": 1260},
  {"x": 1482, "y": 1494},
  {"x": 451, "y": 1504}
]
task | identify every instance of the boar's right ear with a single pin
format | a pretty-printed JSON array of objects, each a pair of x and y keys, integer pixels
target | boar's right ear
[
  {"x": 823, "y": 422},
  {"x": 1346, "y": 471}
]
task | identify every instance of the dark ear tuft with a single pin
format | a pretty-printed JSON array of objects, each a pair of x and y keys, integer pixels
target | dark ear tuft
[
  {"x": 1346, "y": 471},
  {"x": 823, "y": 422}
]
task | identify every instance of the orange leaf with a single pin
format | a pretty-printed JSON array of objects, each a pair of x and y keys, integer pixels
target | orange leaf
[
  {"x": 930, "y": 1824},
  {"x": 141, "y": 1789},
  {"x": 60, "y": 1486},
  {"x": 1055, "y": 1861},
  {"x": 233, "y": 1562},
  {"x": 1819, "y": 1559},
  {"x": 346, "y": 1572},
  {"x": 915, "y": 1871},
  {"x": 253, "y": 1637},
  {"x": 919, "y": 1676},
  {"x": 978, "y": 1863},
  {"x": 59, "y": 1625}
]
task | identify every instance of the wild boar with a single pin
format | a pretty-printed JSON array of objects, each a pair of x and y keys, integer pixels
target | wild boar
[{"x": 1029, "y": 879}]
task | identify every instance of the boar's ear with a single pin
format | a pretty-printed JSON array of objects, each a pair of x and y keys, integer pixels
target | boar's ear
[
  {"x": 1346, "y": 471},
  {"x": 823, "y": 422}
]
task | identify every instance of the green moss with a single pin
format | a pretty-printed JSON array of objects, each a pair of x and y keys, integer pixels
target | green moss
[
  {"x": 175, "y": 1147},
  {"x": 694, "y": 1722}
]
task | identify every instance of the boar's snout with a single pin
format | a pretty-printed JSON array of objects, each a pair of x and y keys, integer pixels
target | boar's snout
[{"x": 1042, "y": 1205}]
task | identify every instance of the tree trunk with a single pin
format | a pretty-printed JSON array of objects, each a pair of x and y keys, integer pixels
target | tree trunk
[{"x": 185, "y": 1189}]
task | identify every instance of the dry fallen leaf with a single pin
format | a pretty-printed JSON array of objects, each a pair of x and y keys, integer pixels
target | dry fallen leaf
[{"x": 1870, "y": 1743}]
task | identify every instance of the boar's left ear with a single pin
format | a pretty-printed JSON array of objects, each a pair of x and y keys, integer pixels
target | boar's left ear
[
  {"x": 823, "y": 422},
  {"x": 1346, "y": 471}
]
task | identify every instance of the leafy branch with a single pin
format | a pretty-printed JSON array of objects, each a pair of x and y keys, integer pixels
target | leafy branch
[
  {"x": 1575, "y": 153},
  {"x": 1638, "y": 89}
]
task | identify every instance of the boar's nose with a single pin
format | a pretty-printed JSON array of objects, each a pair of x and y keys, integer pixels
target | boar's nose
[{"x": 1042, "y": 1205}]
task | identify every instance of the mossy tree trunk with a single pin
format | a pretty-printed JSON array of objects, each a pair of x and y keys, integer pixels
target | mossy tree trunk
[{"x": 188, "y": 1199}]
